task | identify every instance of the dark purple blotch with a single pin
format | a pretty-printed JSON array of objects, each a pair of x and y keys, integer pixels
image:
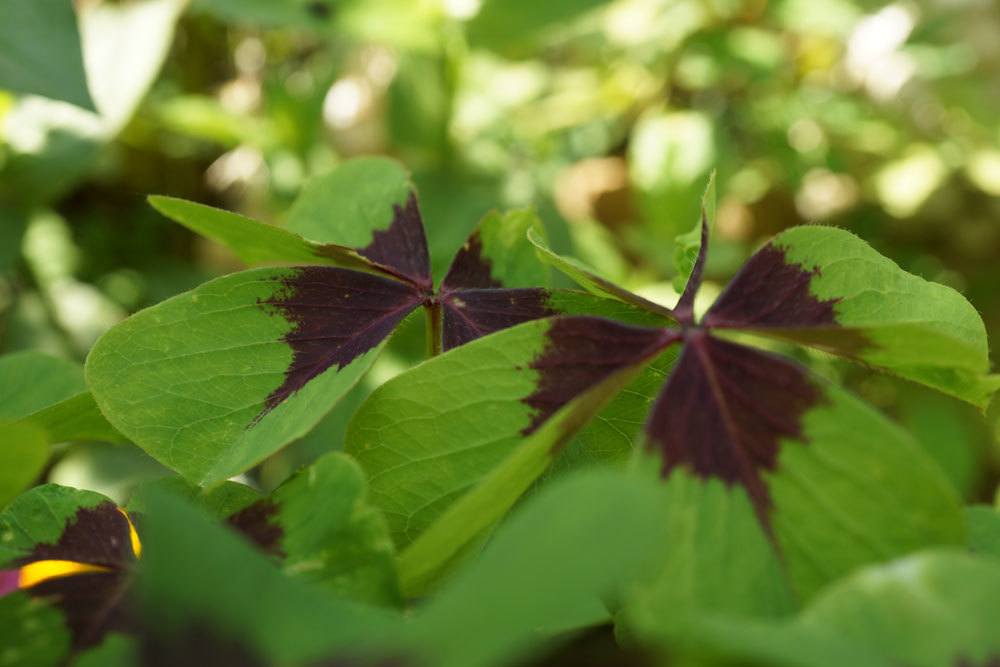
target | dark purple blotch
[
  {"x": 93, "y": 604},
  {"x": 94, "y": 535},
  {"x": 259, "y": 524},
  {"x": 470, "y": 269},
  {"x": 402, "y": 246},
  {"x": 475, "y": 304},
  {"x": 468, "y": 314},
  {"x": 337, "y": 315},
  {"x": 724, "y": 412},
  {"x": 771, "y": 292},
  {"x": 772, "y": 295},
  {"x": 580, "y": 353}
]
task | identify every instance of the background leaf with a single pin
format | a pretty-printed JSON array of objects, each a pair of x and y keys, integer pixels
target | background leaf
[
  {"x": 24, "y": 451},
  {"x": 31, "y": 381},
  {"x": 40, "y": 43}
]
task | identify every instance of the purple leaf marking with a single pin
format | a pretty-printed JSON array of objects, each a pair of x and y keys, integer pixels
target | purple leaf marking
[
  {"x": 258, "y": 523},
  {"x": 470, "y": 269},
  {"x": 476, "y": 304},
  {"x": 771, "y": 292},
  {"x": 402, "y": 247},
  {"x": 92, "y": 603},
  {"x": 338, "y": 315},
  {"x": 97, "y": 536},
  {"x": 473, "y": 313},
  {"x": 583, "y": 351},
  {"x": 724, "y": 412}
]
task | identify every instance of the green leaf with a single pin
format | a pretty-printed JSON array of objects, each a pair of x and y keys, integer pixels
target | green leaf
[
  {"x": 590, "y": 280},
  {"x": 75, "y": 418},
  {"x": 275, "y": 13},
  {"x": 189, "y": 379},
  {"x": 865, "y": 307},
  {"x": 221, "y": 501},
  {"x": 39, "y": 517},
  {"x": 499, "y": 242},
  {"x": 763, "y": 521},
  {"x": 349, "y": 204},
  {"x": 860, "y": 490},
  {"x": 254, "y": 242},
  {"x": 983, "y": 526},
  {"x": 718, "y": 561},
  {"x": 31, "y": 381},
  {"x": 24, "y": 452},
  {"x": 511, "y": 27},
  {"x": 688, "y": 245},
  {"x": 934, "y": 609},
  {"x": 41, "y": 52},
  {"x": 332, "y": 537},
  {"x": 34, "y": 633},
  {"x": 579, "y": 541},
  {"x": 480, "y": 424},
  {"x": 196, "y": 572}
]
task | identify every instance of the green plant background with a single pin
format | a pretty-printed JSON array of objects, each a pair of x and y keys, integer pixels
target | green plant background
[{"x": 606, "y": 117}]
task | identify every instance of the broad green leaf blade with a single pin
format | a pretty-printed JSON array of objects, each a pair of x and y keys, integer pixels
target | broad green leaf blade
[
  {"x": 495, "y": 411},
  {"x": 983, "y": 527},
  {"x": 931, "y": 609},
  {"x": 498, "y": 254},
  {"x": 591, "y": 281},
  {"x": 511, "y": 27},
  {"x": 76, "y": 418},
  {"x": 834, "y": 484},
  {"x": 213, "y": 380},
  {"x": 331, "y": 536},
  {"x": 196, "y": 574},
  {"x": 31, "y": 381},
  {"x": 24, "y": 450},
  {"x": 40, "y": 51},
  {"x": 367, "y": 204},
  {"x": 935, "y": 609},
  {"x": 825, "y": 287},
  {"x": 34, "y": 635},
  {"x": 577, "y": 542},
  {"x": 255, "y": 242},
  {"x": 718, "y": 561}
]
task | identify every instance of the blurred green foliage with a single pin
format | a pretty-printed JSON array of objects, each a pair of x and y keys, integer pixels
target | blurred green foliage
[{"x": 608, "y": 117}]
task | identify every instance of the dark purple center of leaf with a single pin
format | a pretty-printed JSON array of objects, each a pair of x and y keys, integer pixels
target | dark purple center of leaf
[
  {"x": 580, "y": 353},
  {"x": 259, "y": 524},
  {"x": 472, "y": 313},
  {"x": 470, "y": 269},
  {"x": 724, "y": 412},
  {"x": 338, "y": 315},
  {"x": 93, "y": 604},
  {"x": 771, "y": 292},
  {"x": 95, "y": 535},
  {"x": 402, "y": 247}
]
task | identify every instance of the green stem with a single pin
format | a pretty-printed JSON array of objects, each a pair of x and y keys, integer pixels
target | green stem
[{"x": 432, "y": 312}]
